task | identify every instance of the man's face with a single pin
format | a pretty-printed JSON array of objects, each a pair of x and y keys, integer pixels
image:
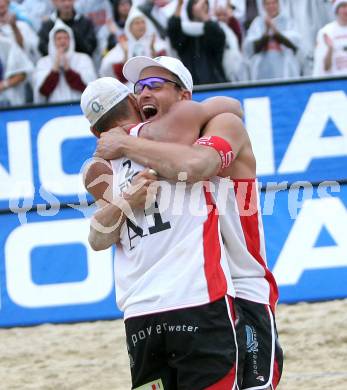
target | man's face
[
  {"x": 3, "y": 7},
  {"x": 271, "y": 8},
  {"x": 124, "y": 8},
  {"x": 342, "y": 13},
  {"x": 138, "y": 27},
  {"x": 62, "y": 40},
  {"x": 154, "y": 103},
  {"x": 64, "y": 6}
]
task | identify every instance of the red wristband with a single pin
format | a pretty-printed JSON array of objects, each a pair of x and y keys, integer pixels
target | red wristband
[{"x": 221, "y": 146}]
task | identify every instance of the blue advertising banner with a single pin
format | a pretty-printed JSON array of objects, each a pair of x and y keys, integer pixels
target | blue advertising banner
[
  {"x": 48, "y": 271},
  {"x": 296, "y": 130},
  {"x": 42, "y": 151},
  {"x": 306, "y": 241}
]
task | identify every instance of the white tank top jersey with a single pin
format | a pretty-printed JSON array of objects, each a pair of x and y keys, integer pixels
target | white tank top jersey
[
  {"x": 172, "y": 256},
  {"x": 243, "y": 236}
]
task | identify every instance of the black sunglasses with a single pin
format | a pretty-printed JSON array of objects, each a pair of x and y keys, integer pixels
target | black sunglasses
[{"x": 152, "y": 83}]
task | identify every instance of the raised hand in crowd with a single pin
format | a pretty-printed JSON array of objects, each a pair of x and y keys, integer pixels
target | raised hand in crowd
[
  {"x": 11, "y": 20},
  {"x": 270, "y": 26},
  {"x": 123, "y": 41},
  {"x": 61, "y": 60}
]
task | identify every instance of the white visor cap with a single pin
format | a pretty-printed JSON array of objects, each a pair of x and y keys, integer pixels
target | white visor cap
[
  {"x": 135, "y": 65},
  {"x": 100, "y": 96}
]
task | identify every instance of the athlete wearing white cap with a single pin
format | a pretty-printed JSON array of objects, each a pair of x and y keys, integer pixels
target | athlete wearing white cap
[
  {"x": 241, "y": 222},
  {"x": 173, "y": 288},
  {"x": 134, "y": 68}
]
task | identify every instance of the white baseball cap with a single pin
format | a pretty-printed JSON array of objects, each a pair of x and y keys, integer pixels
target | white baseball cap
[
  {"x": 100, "y": 96},
  {"x": 337, "y": 3},
  {"x": 135, "y": 65}
]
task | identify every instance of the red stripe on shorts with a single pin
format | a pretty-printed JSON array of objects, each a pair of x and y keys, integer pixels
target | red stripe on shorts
[
  {"x": 247, "y": 202},
  {"x": 276, "y": 374},
  {"x": 225, "y": 383},
  {"x": 216, "y": 282}
]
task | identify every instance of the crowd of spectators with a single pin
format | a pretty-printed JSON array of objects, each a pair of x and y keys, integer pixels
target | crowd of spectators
[{"x": 51, "y": 49}]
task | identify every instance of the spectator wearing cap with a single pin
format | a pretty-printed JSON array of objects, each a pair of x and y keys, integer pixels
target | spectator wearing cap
[
  {"x": 15, "y": 68},
  {"x": 330, "y": 57},
  {"x": 272, "y": 45},
  {"x": 137, "y": 41},
  {"x": 63, "y": 74},
  {"x": 82, "y": 27},
  {"x": 202, "y": 55}
]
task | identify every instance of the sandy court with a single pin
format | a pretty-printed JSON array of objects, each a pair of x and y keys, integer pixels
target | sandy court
[{"x": 93, "y": 355}]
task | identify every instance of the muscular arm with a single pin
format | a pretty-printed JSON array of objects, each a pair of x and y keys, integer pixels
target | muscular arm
[
  {"x": 107, "y": 222},
  {"x": 184, "y": 121},
  {"x": 199, "y": 162},
  {"x": 108, "y": 213},
  {"x": 181, "y": 125}
]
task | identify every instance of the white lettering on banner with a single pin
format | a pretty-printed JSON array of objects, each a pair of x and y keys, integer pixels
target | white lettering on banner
[
  {"x": 259, "y": 126},
  {"x": 299, "y": 253},
  {"x": 298, "y": 193},
  {"x": 18, "y": 181},
  {"x": 20, "y": 286},
  {"x": 49, "y": 142},
  {"x": 307, "y": 142}
]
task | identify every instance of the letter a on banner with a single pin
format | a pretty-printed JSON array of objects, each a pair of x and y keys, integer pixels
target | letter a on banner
[
  {"x": 309, "y": 141},
  {"x": 300, "y": 252}
]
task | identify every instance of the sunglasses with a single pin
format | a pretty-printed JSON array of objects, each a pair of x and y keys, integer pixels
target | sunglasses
[{"x": 152, "y": 83}]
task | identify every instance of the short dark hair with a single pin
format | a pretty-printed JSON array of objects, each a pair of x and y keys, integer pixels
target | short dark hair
[
  {"x": 178, "y": 81},
  {"x": 118, "y": 112}
]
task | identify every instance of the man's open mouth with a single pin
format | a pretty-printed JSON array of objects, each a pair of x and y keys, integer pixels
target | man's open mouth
[{"x": 149, "y": 110}]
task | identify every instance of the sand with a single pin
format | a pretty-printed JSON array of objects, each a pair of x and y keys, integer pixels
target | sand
[{"x": 93, "y": 355}]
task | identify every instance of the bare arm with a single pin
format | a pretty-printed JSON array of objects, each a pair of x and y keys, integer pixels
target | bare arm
[
  {"x": 98, "y": 182},
  {"x": 106, "y": 223},
  {"x": 328, "y": 58},
  {"x": 17, "y": 33},
  {"x": 199, "y": 162},
  {"x": 181, "y": 125},
  {"x": 184, "y": 121},
  {"x": 12, "y": 81}
]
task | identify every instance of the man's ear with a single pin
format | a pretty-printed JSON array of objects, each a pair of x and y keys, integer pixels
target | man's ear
[
  {"x": 186, "y": 95},
  {"x": 133, "y": 101},
  {"x": 95, "y": 132}
]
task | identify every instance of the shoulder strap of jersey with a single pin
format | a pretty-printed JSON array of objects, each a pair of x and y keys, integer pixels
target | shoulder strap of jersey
[{"x": 134, "y": 131}]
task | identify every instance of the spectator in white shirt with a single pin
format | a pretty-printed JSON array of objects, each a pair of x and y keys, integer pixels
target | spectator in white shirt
[
  {"x": 272, "y": 44},
  {"x": 63, "y": 74},
  {"x": 18, "y": 31},
  {"x": 330, "y": 57},
  {"x": 15, "y": 68},
  {"x": 138, "y": 40}
]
